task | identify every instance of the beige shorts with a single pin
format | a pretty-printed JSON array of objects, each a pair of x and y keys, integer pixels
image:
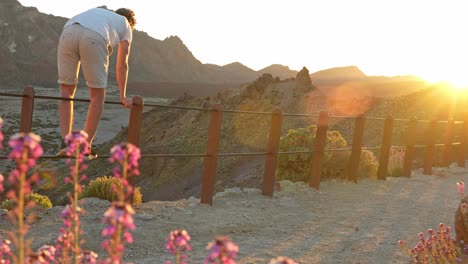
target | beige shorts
[{"x": 80, "y": 45}]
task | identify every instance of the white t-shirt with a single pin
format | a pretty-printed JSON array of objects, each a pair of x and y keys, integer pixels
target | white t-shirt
[{"x": 110, "y": 25}]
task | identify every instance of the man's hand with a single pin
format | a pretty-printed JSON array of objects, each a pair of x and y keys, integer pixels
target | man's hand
[{"x": 126, "y": 102}]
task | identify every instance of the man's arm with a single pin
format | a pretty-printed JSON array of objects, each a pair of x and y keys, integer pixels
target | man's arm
[{"x": 122, "y": 72}]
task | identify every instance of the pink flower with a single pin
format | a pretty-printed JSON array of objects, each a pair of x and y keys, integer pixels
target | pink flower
[
  {"x": 118, "y": 213},
  {"x": 461, "y": 188},
  {"x": 78, "y": 148},
  {"x": 222, "y": 250},
  {"x": 1, "y": 133},
  {"x": 77, "y": 141},
  {"x": 439, "y": 244},
  {"x": 5, "y": 252},
  {"x": 127, "y": 155},
  {"x": 88, "y": 257},
  {"x": 178, "y": 240},
  {"x": 282, "y": 260},
  {"x": 64, "y": 244},
  {"x": 68, "y": 240},
  {"x": 2, "y": 179},
  {"x": 126, "y": 152},
  {"x": 29, "y": 142},
  {"x": 118, "y": 220},
  {"x": 26, "y": 149},
  {"x": 47, "y": 252},
  {"x": 44, "y": 255}
]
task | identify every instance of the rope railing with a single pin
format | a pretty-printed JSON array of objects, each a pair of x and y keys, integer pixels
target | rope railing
[
  {"x": 272, "y": 151},
  {"x": 210, "y": 109},
  {"x": 187, "y": 155}
]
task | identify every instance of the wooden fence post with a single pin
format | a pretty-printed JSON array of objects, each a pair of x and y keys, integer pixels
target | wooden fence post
[
  {"x": 318, "y": 150},
  {"x": 430, "y": 148},
  {"x": 464, "y": 142},
  {"x": 385, "y": 149},
  {"x": 354, "y": 160},
  {"x": 27, "y": 108},
  {"x": 134, "y": 122},
  {"x": 409, "y": 147},
  {"x": 214, "y": 132},
  {"x": 134, "y": 128},
  {"x": 272, "y": 158},
  {"x": 447, "y": 148}
]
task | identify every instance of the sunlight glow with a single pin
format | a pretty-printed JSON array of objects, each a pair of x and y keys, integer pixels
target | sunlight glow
[
  {"x": 454, "y": 77},
  {"x": 456, "y": 83}
]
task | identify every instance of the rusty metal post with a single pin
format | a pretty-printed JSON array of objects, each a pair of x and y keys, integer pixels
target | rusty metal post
[
  {"x": 272, "y": 158},
  {"x": 448, "y": 139},
  {"x": 318, "y": 150},
  {"x": 464, "y": 142},
  {"x": 214, "y": 132},
  {"x": 354, "y": 160},
  {"x": 385, "y": 149},
  {"x": 27, "y": 108},
  {"x": 430, "y": 148},
  {"x": 409, "y": 147},
  {"x": 134, "y": 128}
]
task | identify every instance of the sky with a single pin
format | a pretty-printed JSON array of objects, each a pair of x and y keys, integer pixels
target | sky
[{"x": 426, "y": 38}]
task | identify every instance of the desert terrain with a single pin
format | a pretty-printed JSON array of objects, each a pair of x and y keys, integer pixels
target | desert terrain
[{"x": 340, "y": 223}]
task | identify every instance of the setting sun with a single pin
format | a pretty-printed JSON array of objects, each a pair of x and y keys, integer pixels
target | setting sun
[{"x": 454, "y": 80}]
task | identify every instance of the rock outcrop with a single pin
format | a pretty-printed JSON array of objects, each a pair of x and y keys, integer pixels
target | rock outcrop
[{"x": 304, "y": 80}]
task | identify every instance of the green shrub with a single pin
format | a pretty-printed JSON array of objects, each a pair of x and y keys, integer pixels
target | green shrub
[
  {"x": 102, "y": 188},
  {"x": 368, "y": 164},
  {"x": 38, "y": 199},
  {"x": 297, "y": 167}
]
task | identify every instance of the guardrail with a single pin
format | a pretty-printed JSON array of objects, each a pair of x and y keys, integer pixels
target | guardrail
[{"x": 272, "y": 150}]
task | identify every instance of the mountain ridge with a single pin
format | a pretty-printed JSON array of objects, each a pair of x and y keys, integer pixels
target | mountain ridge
[
  {"x": 31, "y": 38},
  {"x": 29, "y": 58}
]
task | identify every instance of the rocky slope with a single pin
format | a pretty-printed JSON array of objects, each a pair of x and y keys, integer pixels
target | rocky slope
[{"x": 176, "y": 131}]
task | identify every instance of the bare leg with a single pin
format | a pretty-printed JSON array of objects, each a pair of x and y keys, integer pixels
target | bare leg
[
  {"x": 66, "y": 109},
  {"x": 96, "y": 106}
]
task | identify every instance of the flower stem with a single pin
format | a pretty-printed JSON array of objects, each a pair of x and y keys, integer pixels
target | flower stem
[
  {"x": 76, "y": 228},
  {"x": 117, "y": 242},
  {"x": 124, "y": 178},
  {"x": 177, "y": 257},
  {"x": 21, "y": 198}
]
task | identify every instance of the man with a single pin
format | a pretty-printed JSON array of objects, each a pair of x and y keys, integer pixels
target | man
[{"x": 88, "y": 39}]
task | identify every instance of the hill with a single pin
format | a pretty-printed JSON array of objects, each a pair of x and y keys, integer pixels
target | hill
[
  {"x": 278, "y": 70},
  {"x": 30, "y": 40},
  {"x": 338, "y": 73},
  {"x": 351, "y": 81}
]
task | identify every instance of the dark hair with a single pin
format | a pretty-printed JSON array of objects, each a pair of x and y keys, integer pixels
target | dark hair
[{"x": 129, "y": 14}]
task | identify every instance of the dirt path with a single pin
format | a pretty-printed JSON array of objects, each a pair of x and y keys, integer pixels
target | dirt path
[{"x": 341, "y": 223}]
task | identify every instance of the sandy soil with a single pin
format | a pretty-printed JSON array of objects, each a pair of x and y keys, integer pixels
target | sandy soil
[{"x": 341, "y": 223}]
